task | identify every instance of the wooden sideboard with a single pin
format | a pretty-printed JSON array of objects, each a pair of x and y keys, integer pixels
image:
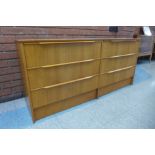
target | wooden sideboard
[{"x": 59, "y": 74}]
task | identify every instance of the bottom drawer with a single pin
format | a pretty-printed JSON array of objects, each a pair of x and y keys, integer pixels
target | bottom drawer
[
  {"x": 116, "y": 75},
  {"x": 48, "y": 95},
  {"x": 62, "y": 105}
]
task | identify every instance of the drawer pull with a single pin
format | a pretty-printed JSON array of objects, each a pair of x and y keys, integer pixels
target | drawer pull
[
  {"x": 62, "y": 64},
  {"x": 124, "y": 40},
  {"x": 58, "y": 42},
  {"x": 119, "y": 56},
  {"x": 64, "y": 83},
  {"x": 117, "y": 70},
  {"x": 69, "y": 63},
  {"x": 65, "y": 42}
]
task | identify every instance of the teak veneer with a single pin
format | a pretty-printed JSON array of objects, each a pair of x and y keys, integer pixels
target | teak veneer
[{"x": 61, "y": 73}]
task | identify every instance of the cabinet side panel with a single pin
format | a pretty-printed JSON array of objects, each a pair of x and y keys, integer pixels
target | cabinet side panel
[{"x": 20, "y": 51}]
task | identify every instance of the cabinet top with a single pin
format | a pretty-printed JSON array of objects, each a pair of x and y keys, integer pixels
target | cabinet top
[{"x": 77, "y": 39}]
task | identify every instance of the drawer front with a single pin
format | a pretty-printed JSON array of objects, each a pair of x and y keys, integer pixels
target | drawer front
[
  {"x": 113, "y": 48},
  {"x": 48, "y": 54},
  {"x": 116, "y": 76},
  {"x": 49, "y": 95},
  {"x": 110, "y": 64},
  {"x": 53, "y": 75}
]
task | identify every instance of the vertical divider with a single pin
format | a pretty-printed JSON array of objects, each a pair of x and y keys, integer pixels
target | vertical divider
[{"x": 99, "y": 71}]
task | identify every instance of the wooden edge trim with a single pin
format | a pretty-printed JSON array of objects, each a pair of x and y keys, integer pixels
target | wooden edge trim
[{"x": 73, "y": 39}]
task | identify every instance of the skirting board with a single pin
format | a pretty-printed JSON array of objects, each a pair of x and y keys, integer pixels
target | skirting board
[{"x": 104, "y": 90}]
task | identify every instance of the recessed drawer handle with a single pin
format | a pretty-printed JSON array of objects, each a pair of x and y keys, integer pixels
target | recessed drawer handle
[
  {"x": 63, "y": 64},
  {"x": 64, "y": 83},
  {"x": 69, "y": 63},
  {"x": 119, "y": 56},
  {"x": 124, "y": 40},
  {"x": 110, "y": 72},
  {"x": 65, "y": 42},
  {"x": 58, "y": 42}
]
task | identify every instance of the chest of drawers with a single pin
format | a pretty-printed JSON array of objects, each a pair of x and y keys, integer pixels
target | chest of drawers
[{"x": 59, "y": 74}]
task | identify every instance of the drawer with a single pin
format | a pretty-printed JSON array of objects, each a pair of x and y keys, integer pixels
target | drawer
[
  {"x": 116, "y": 76},
  {"x": 59, "y": 92},
  {"x": 50, "y": 75},
  {"x": 113, "y": 48},
  {"x": 113, "y": 63},
  {"x": 52, "y": 53}
]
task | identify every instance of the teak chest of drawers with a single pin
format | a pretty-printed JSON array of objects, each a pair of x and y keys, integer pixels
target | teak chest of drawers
[{"x": 59, "y": 74}]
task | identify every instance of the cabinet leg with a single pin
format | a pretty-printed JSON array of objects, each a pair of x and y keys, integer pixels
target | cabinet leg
[
  {"x": 97, "y": 93},
  {"x": 132, "y": 80}
]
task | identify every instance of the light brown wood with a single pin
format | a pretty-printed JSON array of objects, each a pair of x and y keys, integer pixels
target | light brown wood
[{"x": 62, "y": 73}]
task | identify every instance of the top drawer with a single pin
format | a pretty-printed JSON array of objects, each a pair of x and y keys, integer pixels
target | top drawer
[
  {"x": 119, "y": 47},
  {"x": 49, "y": 53}
]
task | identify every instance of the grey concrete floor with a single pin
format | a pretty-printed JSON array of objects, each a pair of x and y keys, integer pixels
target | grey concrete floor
[{"x": 129, "y": 107}]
